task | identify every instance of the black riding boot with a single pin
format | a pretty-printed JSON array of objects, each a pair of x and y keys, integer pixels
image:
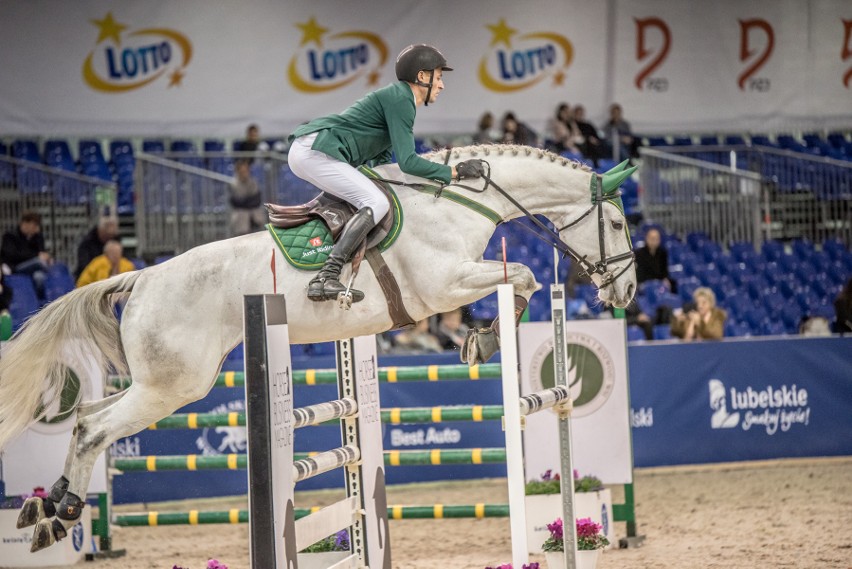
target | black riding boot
[{"x": 326, "y": 286}]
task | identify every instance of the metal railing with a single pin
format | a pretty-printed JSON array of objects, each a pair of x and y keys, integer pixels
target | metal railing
[
  {"x": 747, "y": 193},
  {"x": 70, "y": 204},
  {"x": 182, "y": 198}
]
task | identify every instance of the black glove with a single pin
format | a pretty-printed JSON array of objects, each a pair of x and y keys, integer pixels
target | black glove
[{"x": 473, "y": 168}]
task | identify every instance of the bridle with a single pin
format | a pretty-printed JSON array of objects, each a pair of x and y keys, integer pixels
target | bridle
[{"x": 598, "y": 272}]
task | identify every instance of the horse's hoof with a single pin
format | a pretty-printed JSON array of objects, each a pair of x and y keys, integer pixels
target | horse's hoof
[
  {"x": 42, "y": 536},
  {"x": 31, "y": 513},
  {"x": 479, "y": 346}
]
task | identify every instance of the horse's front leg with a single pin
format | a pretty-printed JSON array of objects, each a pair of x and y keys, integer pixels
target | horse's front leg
[{"x": 482, "y": 343}]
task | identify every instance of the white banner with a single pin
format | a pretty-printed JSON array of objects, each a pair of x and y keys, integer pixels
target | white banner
[
  {"x": 600, "y": 425},
  {"x": 193, "y": 68}
]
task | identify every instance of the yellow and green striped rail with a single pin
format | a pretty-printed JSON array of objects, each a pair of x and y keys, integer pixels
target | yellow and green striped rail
[
  {"x": 238, "y": 461},
  {"x": 393, "y": 416},
  {"x": 236, "y": 516},
  {"x": 386, "y": 374}
]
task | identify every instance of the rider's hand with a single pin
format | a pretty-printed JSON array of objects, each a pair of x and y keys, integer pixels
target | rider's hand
[{"x": 473, "y": 168}]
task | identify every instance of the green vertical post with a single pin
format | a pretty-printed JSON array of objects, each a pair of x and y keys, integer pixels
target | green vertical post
[
  {"x": 100, "y": 527},
  {"x": 626, "y": 512}
]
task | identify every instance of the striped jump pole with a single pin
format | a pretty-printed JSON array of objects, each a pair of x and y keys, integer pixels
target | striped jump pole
[
  {"x": 237, "y": 516},
  {"x": 435, "y": 457},
  {"x": 392, "y": 374},
  {"x": 276, "y": 533}
]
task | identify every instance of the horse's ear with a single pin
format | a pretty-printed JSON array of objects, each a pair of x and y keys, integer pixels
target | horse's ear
[
  {"x": 611, "y": 182},
  {"x": 616, "y": 169}
]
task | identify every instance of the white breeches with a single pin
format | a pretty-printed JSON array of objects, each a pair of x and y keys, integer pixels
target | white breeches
[{"x": 335, "y": 177}]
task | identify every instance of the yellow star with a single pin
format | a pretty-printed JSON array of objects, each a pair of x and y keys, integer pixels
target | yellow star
[
  {"x": 373, "y": 78},
  {"x": 311, "y": 32},
  {"x": 501, "y": 33},
  {"x": 175, "y": 78},
  {"x": 558, "y": 78},
  {"x": 110, "y": 29}
]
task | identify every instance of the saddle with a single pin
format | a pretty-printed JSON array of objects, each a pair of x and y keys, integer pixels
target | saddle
[{"x": 334, "y": 212}]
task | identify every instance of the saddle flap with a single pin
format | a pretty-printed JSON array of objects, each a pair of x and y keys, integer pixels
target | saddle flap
[{"x": 332, "y": 211}]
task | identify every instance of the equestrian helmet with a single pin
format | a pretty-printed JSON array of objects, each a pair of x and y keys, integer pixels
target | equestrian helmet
[{"x": 416, "y": 58}]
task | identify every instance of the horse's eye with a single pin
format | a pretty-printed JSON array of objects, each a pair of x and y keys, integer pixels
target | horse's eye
[{"x": 617, "y": 225}]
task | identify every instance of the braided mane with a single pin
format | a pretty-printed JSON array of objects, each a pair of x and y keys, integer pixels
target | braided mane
[{"x": 501, "y": 149}]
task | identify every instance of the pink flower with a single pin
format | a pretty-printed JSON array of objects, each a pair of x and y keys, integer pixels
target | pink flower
[
  {"x": 214, "y": 564},
  {"x": 556, "y": 529},
  {"x": 586, "y": 528}
]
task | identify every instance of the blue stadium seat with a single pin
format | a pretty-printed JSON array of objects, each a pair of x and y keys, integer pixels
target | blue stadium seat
[
  {"x": 773, "y": 328},
  {"x": 182, "y": 146},
  {"x": 635, "y": 334},
  {"x": 59, "y": 281},
  {"x": 683, "y": 141},
  {"x": 657, "y": 141},
  {"x": 57, "y": 154},
  {"x": 24, "y": 299},
  {"x": 26, "y": 150},
  {"x": 211, "y": 145},
  {"x": 138, "y": 263},
  {"x": 735, "y": 329},
  {"x": 121, "y": 152},
  {"x": 710, "y": 140},
  {"x": 696, "y": 240},
  {"x": 837, "y": 139},
  {"x": 153, "y": 146},
  {"x": 734, "y": 140},
  {"x": 662, "y": 332},
  {"x": 762, "y": 140},
  {"x": 772, "y": 250}
]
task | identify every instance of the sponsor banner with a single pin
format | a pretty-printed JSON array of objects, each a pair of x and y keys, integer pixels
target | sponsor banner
[
  {"x": 600, "y": 429},
  {"x": 744, "y": 400},
  {"x": 737, "y": 66}
]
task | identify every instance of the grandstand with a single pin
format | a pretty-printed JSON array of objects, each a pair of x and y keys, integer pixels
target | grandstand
[{"x": 774, "y": 252}]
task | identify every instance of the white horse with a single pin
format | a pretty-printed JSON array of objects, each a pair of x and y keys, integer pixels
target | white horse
[{"x": 183, "y": 316}]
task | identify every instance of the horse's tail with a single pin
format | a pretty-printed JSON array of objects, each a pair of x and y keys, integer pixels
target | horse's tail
[{"x": 32, "y": 373}]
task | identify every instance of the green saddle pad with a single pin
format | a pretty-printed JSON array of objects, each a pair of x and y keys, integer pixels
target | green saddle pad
[{"x": 307, "y": 246}]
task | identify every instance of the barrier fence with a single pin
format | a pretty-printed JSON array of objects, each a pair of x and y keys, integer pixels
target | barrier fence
[
  {"x": 70, "y": 204},
  {"x": 747, "y": 193}
]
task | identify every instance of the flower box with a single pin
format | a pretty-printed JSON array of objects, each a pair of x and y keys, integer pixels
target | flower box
[
  {"x": 15, "y": 543},
  {"x": 321, "y": 560},
  {"x": 542, "y": 509},
  {"x": 585, "y": 559}
]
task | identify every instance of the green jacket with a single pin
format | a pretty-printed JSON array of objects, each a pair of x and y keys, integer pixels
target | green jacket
[{"x": 380, "y": 122}]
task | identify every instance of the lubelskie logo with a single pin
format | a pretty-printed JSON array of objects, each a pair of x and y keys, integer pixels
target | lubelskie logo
[
  {"x": 520, "y": 63},
  {"x": 656, "y": 57},
  {"x": 846, "y": 51},
  {"x": 772, "y": 408},
  {"x": 123, "y": 61},
  {"x": 759, "y": 27},
  {"x": 327, "y": 63}
]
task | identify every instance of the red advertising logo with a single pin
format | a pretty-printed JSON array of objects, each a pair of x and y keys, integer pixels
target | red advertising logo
[
  {"x": 643, "y": 52},
  {"x": 846, "y": 52},
  {"x": 746, "y": 28}
]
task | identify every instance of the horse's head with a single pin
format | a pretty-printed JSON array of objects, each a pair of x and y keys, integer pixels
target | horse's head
[{"x": 599, "y": 238}]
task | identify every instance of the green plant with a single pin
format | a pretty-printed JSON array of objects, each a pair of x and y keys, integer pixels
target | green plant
[
  {"x": 336, "y": 542},
  {"x": 549, "y": 484}
]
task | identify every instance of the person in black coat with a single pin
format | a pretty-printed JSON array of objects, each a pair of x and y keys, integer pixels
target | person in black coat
[
  {"x": 652, "y": 261},
  {"x": 93, "y": 243},
  {"x": 24, "y": 252}
]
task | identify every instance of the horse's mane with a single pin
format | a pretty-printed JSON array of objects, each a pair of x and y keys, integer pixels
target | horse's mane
[{"x": 505, "y": 149}]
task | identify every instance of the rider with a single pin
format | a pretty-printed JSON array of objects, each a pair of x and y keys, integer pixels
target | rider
[{"x": 327, "y": 151}]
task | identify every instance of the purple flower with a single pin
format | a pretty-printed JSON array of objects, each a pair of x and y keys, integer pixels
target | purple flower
[
  {"x": 556, "y": 529},
  {"x": 341, "y": 540},
  {"x": 586, "y": 528},
  {"x": 214, "y": 564},
  {"x": 576, "y": 474},
  {"x": 532, "y": 565}
]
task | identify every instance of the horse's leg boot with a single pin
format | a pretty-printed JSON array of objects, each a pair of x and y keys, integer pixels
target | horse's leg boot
[{"x": 326, "y": 285}]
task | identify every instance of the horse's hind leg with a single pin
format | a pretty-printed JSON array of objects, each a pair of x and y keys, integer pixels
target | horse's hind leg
[
  {"x": 36, "y": 509},
  {"x": 136, "y": 409}
]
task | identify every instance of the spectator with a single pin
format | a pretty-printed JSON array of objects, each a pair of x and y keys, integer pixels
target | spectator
[
  {"x": 634, "y": 316},
  {"x": 452, "y": 331},
  {"x": 110, "y": 263},
  {"x": 620, "y": 135},
  {"x": 652, "y": 261},
  {"x": 843, "y": 310},
  {"x": 516, "y": 132},
  {"x": 703, "y": 321},
  {"x": 562, "y": 131},
  {"x": 252, "y": 142},
  {"x": 93, "y": 243},
  {"x": 591, "y": 146},
  {"x": 417, "y": 340},
  {"x": 485, "y": 131},
  {"x": 24, "y": 252},
  {"x": 247, "y": 212}
]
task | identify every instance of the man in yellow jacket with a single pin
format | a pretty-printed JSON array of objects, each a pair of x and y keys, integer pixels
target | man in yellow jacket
[{"x": 105, "y": 266}]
